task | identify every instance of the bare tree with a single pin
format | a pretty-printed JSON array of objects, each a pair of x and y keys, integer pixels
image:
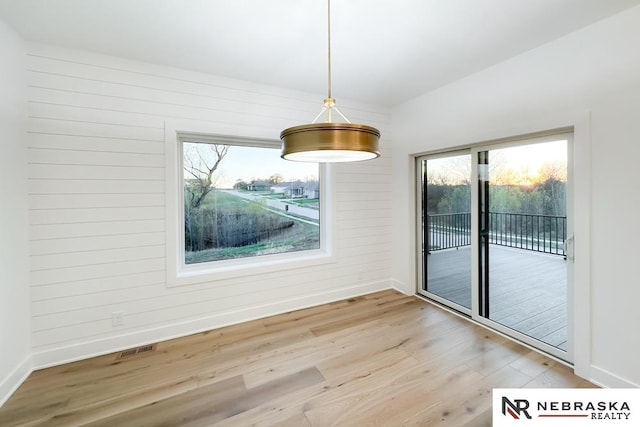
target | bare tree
[
  {"x": 553, "y": 170},
  {"x": 276, "y": 178},
  {"x": 449, "y": 171},
  {"x": 201, "y": 161}
]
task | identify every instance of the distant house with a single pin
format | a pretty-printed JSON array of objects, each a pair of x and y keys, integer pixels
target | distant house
[
  {"x": 259, "y": 186},
  {"x": 293, "y": 189},
  {"x": 312, "y": 190}
]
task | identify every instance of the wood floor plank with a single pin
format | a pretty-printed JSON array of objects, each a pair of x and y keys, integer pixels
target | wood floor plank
[
  {"x": 358, "y": 317},
  {"x": 413, "y": 393},
  {"x": 297, "y": 420},
  {"x": 378, "y": 359},
  {"x": 273, "y": 364},
  {"x": 458, "y": 406},
  {"x": 558, "y": 376},
  {"x": 99, "y": 410},
  {"x": 215, "y": 400},
  {"x": 533, "y": 364}
]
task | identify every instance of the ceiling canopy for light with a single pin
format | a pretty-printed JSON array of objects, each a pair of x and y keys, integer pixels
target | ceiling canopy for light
[{"x": 329, "y": 141}]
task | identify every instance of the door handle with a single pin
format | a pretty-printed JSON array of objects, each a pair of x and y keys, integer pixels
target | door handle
[{"x": 568, "y": 248}]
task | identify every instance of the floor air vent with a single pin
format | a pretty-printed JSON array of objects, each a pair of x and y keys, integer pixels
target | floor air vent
[{"x": 135, "y": 351}]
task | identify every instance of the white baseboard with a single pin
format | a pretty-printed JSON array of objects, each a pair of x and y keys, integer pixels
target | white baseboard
[
  {"x": 606, "y": 379},
  {"x": 402, "y": 287},
  {"x": 16, "y": 377},
  {"x": 85, "y": 350}
]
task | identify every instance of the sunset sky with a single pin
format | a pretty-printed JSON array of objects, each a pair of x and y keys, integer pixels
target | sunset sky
[{"x": 521, "y": 164}]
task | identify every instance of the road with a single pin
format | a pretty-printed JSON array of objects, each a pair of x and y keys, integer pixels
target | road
[{"x": 282, "y": 206}]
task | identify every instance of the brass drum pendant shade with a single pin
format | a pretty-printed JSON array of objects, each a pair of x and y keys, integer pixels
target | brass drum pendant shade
[{"x": 329, "y": 141}]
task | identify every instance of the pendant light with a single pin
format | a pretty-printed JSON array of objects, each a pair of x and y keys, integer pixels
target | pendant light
[{"x": 329, "y": 141}]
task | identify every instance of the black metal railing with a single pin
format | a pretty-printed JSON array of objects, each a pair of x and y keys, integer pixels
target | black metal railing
[
  {"x": 449, "y": 230},
  {"x": 539, "y": 233}
]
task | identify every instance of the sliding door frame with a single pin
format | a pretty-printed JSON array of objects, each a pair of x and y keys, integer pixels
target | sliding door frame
[
  {"x": 474, "y": 313},
  {"x": 420, "y": 247},
  {"x": 477, "y": 314}
]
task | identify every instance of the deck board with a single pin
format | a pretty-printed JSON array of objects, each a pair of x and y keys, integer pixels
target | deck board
[{"x": 527, "y": 289}]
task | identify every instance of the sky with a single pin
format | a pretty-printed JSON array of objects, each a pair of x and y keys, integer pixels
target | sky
[
  {"x": 527, "y": 160},
  {"x": 249, "y": 163},
  {"x": 524, "y": 160}
]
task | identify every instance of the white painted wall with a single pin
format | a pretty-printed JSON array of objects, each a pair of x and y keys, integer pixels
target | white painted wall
[
  {"x": 15, "y": 328},
  {"x": 97, "y": 203},
  {"x": 593, "y": 71}
]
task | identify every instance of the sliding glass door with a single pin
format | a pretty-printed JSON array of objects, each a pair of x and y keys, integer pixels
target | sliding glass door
[
  {"x": 446, "y": 229},
  {"x": 495, "y": 247},
  {"x": 524, "y": 228}
]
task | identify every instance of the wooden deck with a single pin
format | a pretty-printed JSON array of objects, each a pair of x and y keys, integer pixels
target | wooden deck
[{"x": 527, "y": 289}]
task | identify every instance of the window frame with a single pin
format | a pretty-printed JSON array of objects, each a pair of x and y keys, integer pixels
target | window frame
[{"x": 179, "y": 273}]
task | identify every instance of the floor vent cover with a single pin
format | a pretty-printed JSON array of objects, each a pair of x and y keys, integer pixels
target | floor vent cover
[{"x": 136, "y": 351}]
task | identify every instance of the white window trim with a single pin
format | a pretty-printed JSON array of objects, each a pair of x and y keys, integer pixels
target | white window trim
[{"x": 179, "y": 274}]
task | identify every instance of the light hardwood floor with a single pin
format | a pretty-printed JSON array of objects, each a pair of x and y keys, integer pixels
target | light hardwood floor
[{"x": 379, "y": 359}]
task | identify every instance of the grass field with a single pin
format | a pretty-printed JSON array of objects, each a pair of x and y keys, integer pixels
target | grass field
[
  {"x": 307, "y": 203},
  {"x": 300, "y": 236}
]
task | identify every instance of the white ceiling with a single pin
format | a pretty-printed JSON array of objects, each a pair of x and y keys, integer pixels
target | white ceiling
[{"x": 384, "y": 51}]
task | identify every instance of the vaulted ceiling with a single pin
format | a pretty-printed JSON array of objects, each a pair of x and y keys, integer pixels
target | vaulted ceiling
[{"x": 384, "y": 52}]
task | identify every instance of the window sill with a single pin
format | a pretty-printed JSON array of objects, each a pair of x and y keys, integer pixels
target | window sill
[{"x": 243, "y": 267}]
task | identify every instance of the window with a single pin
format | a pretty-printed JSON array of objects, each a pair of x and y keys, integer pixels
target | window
[{"x": 235, "y": 208}]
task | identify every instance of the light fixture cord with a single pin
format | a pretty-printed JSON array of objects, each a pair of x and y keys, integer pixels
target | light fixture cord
[
  {"x": 329, "y": 47},
  {"x": 329, "y": 102}
]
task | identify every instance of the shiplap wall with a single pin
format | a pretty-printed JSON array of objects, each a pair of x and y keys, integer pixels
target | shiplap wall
[{"x": 97, "y": 208}]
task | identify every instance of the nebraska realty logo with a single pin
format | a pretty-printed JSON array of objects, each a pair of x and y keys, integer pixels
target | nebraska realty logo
[{"x": 566, "y": 407}]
